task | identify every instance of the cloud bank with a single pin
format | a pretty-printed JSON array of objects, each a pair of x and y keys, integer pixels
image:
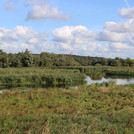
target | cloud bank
[{"x": 116, "y": 39}]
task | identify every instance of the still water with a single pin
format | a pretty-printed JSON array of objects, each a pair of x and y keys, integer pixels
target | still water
[
  {"x": 117, "y": 81},
  {"x": 89, "y": 81}
]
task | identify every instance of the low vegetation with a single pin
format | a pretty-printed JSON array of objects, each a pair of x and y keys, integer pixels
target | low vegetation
[{"x": 97, "y": 109}]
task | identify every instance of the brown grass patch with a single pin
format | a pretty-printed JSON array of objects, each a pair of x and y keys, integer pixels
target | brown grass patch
[{"x": 104, "y": 89}]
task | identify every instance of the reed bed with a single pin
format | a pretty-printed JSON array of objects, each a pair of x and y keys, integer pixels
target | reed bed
[
  {"x": 40, "y": 75},
  {"x": 99, "y": 71}
]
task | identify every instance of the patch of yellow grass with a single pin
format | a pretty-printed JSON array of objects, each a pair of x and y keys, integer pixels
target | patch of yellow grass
[{"x": 104, "y": 89}]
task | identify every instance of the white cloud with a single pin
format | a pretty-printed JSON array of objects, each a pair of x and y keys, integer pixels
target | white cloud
[
  {"x": 68, "y": 39},
  {"x": 76, "y": 40},
  {"x": 118, "y": 46},
  {"x": 111, "y": 36},
  {"x": 42, "y": 10},
  {"x": 119, "y": 49},
  {"x": 79, "y": 34},
  {"x": 120, "y": 27},
  {"x": 127, "y": 12},
  {"x": 20, "y": 38},
  {"x": 9, "y": 6},
  {"x": 111, "y": 42},
  {"x": 122, "y": 32},
  {"x": 119, "y": 38}
]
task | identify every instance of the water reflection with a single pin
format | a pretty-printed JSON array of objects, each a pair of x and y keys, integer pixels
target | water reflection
[
  {"x": 89, "y": 81},
  {"x": 7, "y": 87},
  {"x": 117, "y": 81}
]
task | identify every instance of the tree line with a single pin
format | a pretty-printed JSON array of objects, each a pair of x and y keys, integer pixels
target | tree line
[{"x": 44, "y": 59}]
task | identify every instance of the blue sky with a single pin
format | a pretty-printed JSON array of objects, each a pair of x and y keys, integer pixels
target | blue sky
[{"x": 85, "y": 27}]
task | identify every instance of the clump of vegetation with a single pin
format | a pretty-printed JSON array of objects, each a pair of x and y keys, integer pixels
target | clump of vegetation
[
  {"x": 94, "y": 73},
  {"x": 93, "y": 109}
]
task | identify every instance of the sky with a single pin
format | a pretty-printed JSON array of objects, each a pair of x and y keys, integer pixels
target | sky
[{"x": 102, "y": 28}]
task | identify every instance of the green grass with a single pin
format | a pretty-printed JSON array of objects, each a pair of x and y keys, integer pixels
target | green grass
[
  {"x": 97, "y": 109},
  {"x": 40, "y": 75}
]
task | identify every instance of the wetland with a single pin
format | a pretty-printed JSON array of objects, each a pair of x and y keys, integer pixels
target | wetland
[{"x": 47, "y": 101}]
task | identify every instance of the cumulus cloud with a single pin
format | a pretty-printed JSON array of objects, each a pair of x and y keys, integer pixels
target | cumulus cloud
[
  {"x": 122, "y": 32},
  {"x": 120, "y": 27},
  {"x": 9, "y": 6},
  {"x": 21, "y": 38},
  {"x": 80, "y": 33},
  {"x": 76, "y": 40},
  {"x": 127, "y": 12},
  {"x": 42, "y": 10},
  {"x": 113, "y": 41},
  {"x": 119, "y": 38}
]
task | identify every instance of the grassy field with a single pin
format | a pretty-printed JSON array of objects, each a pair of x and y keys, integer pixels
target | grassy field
[
  {"x": 97, "y": 109},
  {"x": 40, "y": 75}
]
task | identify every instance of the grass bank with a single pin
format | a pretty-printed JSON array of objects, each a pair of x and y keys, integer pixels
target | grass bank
[{"x": 98, "y": 109}]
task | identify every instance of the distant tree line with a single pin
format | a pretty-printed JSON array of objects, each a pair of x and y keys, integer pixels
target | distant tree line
[{"x": 44, "y": 59}]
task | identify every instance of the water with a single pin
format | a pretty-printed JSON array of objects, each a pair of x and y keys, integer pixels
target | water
[
  {"x": 89, "y": 81},
  {"x": 9, "y": 87},
  {"x": 117, "y": 81}
]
